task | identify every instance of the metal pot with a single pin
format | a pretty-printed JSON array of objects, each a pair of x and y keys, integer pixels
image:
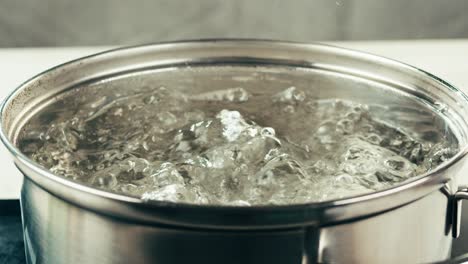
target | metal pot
[{"x": 415, "y": 222}]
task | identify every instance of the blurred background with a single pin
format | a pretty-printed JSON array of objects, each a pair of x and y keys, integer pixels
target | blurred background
[{"x": 27, "y": 23}]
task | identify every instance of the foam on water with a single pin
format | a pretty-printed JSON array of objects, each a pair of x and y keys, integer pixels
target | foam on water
[{"x": 231, "y": 147}]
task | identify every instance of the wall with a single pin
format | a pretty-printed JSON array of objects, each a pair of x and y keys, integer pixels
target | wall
[{"x": 113, "y": 22}]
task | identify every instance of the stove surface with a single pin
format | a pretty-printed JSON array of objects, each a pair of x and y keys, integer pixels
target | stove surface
[{"x": 11, "y": 234}]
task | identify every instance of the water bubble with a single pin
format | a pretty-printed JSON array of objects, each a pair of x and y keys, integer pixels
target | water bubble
[
  {"x": 107, "y": 181},
  {"x": 396, "y": 142},
  {"x": 129, "y": 188},
  {"x": 238, "y": 94},
  {"x": 345, "y": 126},
  {"x": 322, "y": 167},
  {"x": 233, "y": 124},
  {"x": 345, "y": 179},
  {"x": 149, "y": 100},
  {"x": 267, "y": 132},
  {"x": 373, "y": 138},
  {"x": 167, "y": 174},
  {"x": 167, "y": 119},
  {"x": 272, "y": 153},
  {"x": 326, "y": 128},
  {"x": 290, "y": 95},
  {"x": 170, "y": 193},
  {"x": 417, "y": 153},
  {"x": 440, "y": 155},
  {"x": 395, "y": 164},
  {"x": 289, "y": 109}
]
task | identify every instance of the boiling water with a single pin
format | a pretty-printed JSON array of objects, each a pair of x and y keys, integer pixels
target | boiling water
[{"x": 231, "y": 146}]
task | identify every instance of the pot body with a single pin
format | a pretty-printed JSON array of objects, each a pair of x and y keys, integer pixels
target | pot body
[
  {"x": 57, "y": 231},
  {"x": 68, "y": 222}
]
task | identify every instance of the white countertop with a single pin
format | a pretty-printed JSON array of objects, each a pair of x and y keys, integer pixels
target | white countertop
[{"x": 447, "y": 59}]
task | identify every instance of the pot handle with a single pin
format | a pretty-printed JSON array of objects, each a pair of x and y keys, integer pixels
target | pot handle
[{"x": 458, "y": 197}]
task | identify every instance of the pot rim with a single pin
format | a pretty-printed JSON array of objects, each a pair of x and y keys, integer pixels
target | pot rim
[{"x": 214, "y": 216}]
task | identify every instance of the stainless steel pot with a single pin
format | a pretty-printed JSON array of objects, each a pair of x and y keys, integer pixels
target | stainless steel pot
[{"x": 66, "y": 222}]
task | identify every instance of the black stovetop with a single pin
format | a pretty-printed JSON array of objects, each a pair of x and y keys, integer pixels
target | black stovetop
[
  {"x": 12, "y": 246},
  {"x": 11, "y": 233}
]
